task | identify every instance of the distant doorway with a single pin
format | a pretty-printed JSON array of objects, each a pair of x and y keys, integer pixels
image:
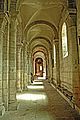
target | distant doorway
[{"x": 39, "y": 67}]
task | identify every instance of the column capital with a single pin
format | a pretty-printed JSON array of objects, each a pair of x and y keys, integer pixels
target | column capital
[
  {"x": 50, "y": 50},
  {"x": 13, "y": 15},
  {"x": 3, "y": 17},
  {"x": 72, "y": 13},
  {"x": 19, "y": 44},
  {"x": 56, "y": 41}
]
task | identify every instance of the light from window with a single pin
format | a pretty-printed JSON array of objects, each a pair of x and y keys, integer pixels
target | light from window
[
  {"x": 40, "y": 67},
  {"x": 54, "y": 54},
  {"x": 64, "y": 41}
]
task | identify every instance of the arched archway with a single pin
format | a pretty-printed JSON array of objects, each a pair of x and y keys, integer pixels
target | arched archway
[
  {"x": 39, "y": 67},
  {"x": 38, "y": 22}
]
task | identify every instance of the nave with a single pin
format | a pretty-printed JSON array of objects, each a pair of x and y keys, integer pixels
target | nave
[{"x": 39, "y": 38}]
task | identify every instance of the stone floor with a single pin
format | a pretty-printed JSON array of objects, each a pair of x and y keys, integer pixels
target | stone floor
[
  {"x": 41, "y": 102},
  {"x": 57, "y": 106}
]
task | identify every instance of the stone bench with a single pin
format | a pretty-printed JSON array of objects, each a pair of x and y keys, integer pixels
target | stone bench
[{"x": 68, "y": 94}]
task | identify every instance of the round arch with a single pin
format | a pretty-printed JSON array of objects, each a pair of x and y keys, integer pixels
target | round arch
[
  {"x": 43, "y": 22},
  {"x": 38, "y": 51},
  {"x": 44, "y": 38},
  {"x": 40, "y": 46}
]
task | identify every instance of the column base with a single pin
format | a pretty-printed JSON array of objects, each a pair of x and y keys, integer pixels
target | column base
[
  {"x": 58, "y": 86},
  {"x": 2, "y": 110},
  {"x": 13, "y": 106},
  {"x": 51, "y": 80},
  {"x": 25, "y": 89},
  {"x": 19, "y": 90},
  {"x": 29, "y": 83}
]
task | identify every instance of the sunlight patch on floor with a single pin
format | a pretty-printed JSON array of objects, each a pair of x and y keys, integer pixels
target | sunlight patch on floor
[
  {"x": 37, "y": 83},
  {"x": 31, "y": 97},
  {"x": 41, "y": 78},
  {"x": 35, "y": 87}
]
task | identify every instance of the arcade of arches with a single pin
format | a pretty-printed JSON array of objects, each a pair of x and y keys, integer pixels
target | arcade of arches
[{"x": 41, "y": 37}]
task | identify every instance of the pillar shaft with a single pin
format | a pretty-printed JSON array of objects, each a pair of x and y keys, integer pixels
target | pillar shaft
[
  {"x": 18, "y": 72},
  {"x": 50, "y": 65},
  {"x": 12, "y": 65},
  {"x": 57, "y": 64},
  {"x": 5, "y": 64},
  {"x": 2, "y": 109},
  {"x": 24, "y": 69},
  {"x": 21, "y": 69},
  {"x": 29, "y": 68}
]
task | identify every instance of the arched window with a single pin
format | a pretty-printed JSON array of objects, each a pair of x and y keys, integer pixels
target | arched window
[
  {"x": 64, "y": 41},
  {"x": 1, "y": 5},
  {"x": 71, "y": 3},
  {"x": 54, "y": 54}
]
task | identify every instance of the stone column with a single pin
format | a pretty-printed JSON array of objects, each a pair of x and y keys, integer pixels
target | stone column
[
  {"x": 44, "y": 68},
  {"x": 12, "y": 64},
  {"x": 18, "y": 66},
  {"x": 30, "y": 67},
  {"x": 5, "y": 65},
  {"x": 24, "y": 70},
  {"x": 27, "y": 67},
  {"x": 57, "y": 63},
  {"x": 33, "y": 65},
  {"x": 48, "y": 68},
  {"x": 2, "y": 109},
  {"x": 21, "y": 69},
  {"x": 31, "y": 61},
  {"x": 50, "y": 65}
]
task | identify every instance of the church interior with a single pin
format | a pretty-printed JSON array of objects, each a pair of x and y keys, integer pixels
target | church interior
[{"x": 39, "y": 59}]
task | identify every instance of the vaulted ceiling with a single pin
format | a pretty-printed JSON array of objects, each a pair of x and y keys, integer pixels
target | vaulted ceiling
[
  {"x": 40, "y": 21},
  {"x": 48, "y": 10}
]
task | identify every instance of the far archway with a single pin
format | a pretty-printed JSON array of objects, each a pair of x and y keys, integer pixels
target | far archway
[{"x": 39, "y": 67}]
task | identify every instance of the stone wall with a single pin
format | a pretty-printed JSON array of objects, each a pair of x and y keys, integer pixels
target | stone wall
[
  {"x": 78, "y": 27},
  {"x": 66, "y": 64}
]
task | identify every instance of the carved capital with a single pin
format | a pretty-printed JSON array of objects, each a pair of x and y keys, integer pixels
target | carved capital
[
  {"x": 73, "y": 15},
  {"x": 56, "y": 41},
  {"x": 13, "y": 15}
]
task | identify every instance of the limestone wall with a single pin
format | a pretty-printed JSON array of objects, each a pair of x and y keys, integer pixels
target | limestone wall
[
  {"x": 66, "y": 73},
  {"x": 78, "y": 16},
  {"x": 78, "y": 27},
  {"x": 67, "y": 63}
]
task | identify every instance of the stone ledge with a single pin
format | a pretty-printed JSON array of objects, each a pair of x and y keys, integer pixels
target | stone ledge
[
  {"x": 67, "y": 93},
  {"x": 58, "y": 105},
  {"x": 65, "y": 97}
]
